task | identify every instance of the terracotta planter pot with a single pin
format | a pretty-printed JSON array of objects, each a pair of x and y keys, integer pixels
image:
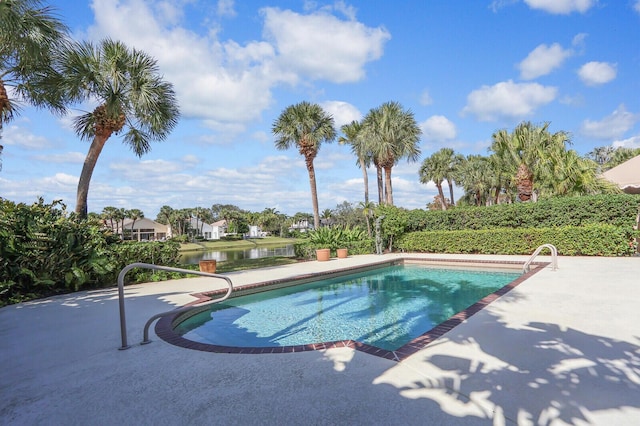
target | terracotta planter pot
[
  {"x": 342, "y": 253},
  {"x": 208, "y": 266},
  {"x": 322, "y": 255}
]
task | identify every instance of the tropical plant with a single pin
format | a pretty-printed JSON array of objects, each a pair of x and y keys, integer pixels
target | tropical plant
[
  {"x": 132, "y": 97},
  {"x": 528, "y": 154},
  {"x": 477, "y": 179},
  {"x": 305, "y": 126},
  {"x": 30, "y": 36},
  {"x": 392, "y": 134}
]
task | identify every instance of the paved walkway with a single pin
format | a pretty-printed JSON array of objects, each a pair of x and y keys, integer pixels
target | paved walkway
[{"x": 562, "y": 348}]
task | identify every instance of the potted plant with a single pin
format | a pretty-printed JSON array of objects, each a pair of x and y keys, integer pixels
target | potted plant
[
  {"x": 323, "y": 240},
  {"x": 208, "y": 265}
]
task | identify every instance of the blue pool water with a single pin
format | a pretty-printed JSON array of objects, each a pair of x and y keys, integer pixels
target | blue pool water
[{"x": 386, "y": 308}]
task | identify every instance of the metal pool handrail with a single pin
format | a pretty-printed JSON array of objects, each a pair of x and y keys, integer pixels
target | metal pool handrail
[
  {"x": 554, "y": 257},
  {"x": 123, "y": 321}
]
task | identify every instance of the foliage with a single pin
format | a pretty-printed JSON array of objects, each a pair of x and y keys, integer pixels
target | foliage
[
  {"x": 42, "y": 251},
  {"x": 617, "y": 210},
  {"x": 589, "y": 240},
  {"x": 354, "y": 239},
  {"x": 393, "y": 224},
  {"x": 164, "y": 253}
]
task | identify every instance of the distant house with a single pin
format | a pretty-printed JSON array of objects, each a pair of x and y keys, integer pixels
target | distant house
[
  {"x": 301, "y": 225},
  {"x": 143, "y": 230}
]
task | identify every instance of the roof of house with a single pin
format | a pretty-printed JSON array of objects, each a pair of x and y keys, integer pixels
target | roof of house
[{"x": 626, "y": 175}]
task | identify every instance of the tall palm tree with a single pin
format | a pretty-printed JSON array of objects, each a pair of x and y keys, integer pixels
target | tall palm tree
[
  {"x": 359, "y": 147},
  {"x": 134, "y": 214},
  {"x": 441, "y": 166},
  {"x": 393, "y": 134},
  {"x": 477, "y": 179},
  {"x": 132, "y": 96},
  {"x": 434, "y": 170},
  {"x": 528, "y": 154},
  {"x": 305, "y": 125},
  {"x": 30, "y": 34}
]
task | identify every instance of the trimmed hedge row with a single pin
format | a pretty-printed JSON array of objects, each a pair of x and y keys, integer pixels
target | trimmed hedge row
[
  {"x": 618, "y": 210},
  {"x": 589, "y": 240}
]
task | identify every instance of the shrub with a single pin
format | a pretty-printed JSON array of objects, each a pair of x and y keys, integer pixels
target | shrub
[
  {"x": 354, "y": 239},
  {"x": 589, "y": 240}
]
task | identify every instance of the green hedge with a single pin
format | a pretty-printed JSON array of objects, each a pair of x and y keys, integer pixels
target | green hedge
[
  {"x": 589, "y": 240},
  {"x": 618, "y": 210}
]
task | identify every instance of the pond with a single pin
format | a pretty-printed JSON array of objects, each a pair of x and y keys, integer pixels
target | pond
[{"x": 194, "y": 257}]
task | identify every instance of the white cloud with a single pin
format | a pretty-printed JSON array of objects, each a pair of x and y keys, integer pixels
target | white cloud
[
  {"x": 69, "y": 157},
  {"x": 596, "y": 73},
  {"x": 636, "y": 6},
  {"x": 632, "y": 142},
  {"x": 508, "y": 100},
  {"x": 561, "y": 7},
  {"x": 438, "y": 128},
  {"x": 225, "y": 8},
  {"x": 20, "y": 136},
  {"x": 321, "y": 46},
  {"x": 227, "y": 82},
  {"x": 425, "y": 98},
  {"x": 542, "y": 60},
  {"x": 613, "y": 126},
  {"x": 342, "y": 112}
]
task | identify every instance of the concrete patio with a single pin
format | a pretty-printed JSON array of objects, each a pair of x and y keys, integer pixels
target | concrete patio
[{"x": 561, "y": 348}]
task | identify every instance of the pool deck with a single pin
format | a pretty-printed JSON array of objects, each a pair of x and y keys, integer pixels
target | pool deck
[{"x": 561, "y": 348}]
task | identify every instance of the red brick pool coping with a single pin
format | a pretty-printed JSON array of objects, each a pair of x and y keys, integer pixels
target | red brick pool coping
[{"x": 165, "y": 326}]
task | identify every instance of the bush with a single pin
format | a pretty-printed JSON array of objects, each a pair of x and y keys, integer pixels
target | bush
[
  {"x": 44, "y": 251},
  {"x": 618, "y": 210},
  {"x": 589, "y": 240}
]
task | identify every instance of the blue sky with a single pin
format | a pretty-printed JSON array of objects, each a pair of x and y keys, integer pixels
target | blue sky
[{"x": 464, "y": 68}]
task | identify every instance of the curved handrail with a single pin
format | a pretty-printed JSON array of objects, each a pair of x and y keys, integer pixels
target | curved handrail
[
  {"x": 123, "y": 321},
  {"x": 554, "y": 257}
]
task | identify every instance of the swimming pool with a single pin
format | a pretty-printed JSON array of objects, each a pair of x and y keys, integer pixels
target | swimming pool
[{"x": 386, "y": 311}]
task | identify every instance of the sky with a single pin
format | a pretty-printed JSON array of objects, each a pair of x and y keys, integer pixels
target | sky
[{"x": 465, "y": 69}]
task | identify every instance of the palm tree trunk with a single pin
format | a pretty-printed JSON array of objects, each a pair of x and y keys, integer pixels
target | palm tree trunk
[
  {"x": 85, "y": 177},
  {"x": 314, "y": 193},
  {"x": 443, "y": 202},
  {"x": 451, "y": 192},
  {"x": 387, "y": 186},
  {"x": 380, "y": 185},
  {"x": 524, "y": 183},
  {"x": 365, "y": 178}
]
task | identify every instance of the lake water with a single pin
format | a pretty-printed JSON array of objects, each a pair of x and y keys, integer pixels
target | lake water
[{"x": 223, "y": 255}]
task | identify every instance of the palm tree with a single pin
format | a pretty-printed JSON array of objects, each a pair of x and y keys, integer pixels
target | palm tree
[
  {"x": 368, "y": 209},
  {"x": 134, "y": 214},
  {"x": 305, "y": 126},
  {"x": 439, "y": 167},
  {"x": 109, "y": 213},
  {"x": 30, "y": 35},
  {"x": 360, "y": 149},
  {"x": 432, "y": 170},
  {"x": 528, "y": 154},
  {"x": 131, "y": 95},
  {"x": 393, "y": 134},
  {"x": 478, "y": 178}
]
